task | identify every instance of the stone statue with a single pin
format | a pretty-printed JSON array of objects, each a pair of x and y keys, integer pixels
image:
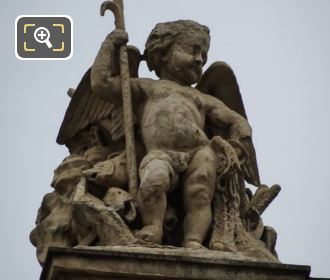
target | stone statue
[{"x": 157, "y": 162}]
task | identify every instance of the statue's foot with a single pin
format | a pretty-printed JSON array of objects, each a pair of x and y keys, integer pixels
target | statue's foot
[
  {"x": 152, "y": 234},
  {"x": 191, "y": 244},
  {"x": 222, "y": 246}
]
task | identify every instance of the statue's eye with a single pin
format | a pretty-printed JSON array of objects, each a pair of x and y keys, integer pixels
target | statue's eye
[{"x": 189, "y": 48}]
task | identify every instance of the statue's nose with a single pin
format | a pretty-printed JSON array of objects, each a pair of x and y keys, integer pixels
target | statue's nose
[{"x": 199, "y": 59}]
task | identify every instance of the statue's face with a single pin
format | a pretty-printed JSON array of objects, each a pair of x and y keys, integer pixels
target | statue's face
[{"x": 185, "y": 59}]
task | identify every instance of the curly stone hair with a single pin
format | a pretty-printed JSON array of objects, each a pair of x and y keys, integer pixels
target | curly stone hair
[{"x": 164, "y": 35}]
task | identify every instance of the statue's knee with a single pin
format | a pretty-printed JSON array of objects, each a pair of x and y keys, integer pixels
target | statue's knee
[
  {"x": 203, "y": 177},
  {"x": 156, "y": 173},
  {"x": 198, "y": 195},
  {"x": 152, "y": 188}
]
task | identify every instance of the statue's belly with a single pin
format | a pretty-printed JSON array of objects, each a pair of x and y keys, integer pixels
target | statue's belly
[{"x": 172, "y": 124}]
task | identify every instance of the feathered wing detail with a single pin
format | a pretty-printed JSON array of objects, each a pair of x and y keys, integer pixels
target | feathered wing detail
[
  {"x": 219, "y": 80},
  {"x": 86, "y": 108}
]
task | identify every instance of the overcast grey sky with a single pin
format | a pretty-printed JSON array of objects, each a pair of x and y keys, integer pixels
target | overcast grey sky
[{"x": 279, "y": 51}]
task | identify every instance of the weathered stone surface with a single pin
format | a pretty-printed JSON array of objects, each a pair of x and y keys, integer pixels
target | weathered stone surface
[
  {"x": 145, "y": 263},
  {"x": 157, "y": 162}
]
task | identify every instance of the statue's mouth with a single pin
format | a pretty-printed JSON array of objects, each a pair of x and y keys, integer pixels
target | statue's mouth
[{"x": 198, "y": 70}]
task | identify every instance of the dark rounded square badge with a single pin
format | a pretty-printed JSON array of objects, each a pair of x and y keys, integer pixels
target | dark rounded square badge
[{"x": 43, "y": 37}]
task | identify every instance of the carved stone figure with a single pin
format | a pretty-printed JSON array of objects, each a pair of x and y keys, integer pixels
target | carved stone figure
[{"x": 157, "y": 162}]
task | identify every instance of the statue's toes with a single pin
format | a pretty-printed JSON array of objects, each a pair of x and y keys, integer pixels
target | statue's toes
[
  {"x": 149, "y": 234},
  {"x": 193, "y": 245}
]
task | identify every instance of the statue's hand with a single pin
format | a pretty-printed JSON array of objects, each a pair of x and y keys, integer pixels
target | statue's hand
[
  {"x": 240, "y": 130},
  {"x": 118, "y": 37}
]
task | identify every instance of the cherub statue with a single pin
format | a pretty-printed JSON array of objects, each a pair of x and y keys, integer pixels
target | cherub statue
[
  {"x": 194, "y": 141},
  {"x": 171, "y": 118}
]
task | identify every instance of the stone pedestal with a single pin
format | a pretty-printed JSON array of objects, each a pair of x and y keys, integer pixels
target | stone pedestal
[{"x": 114, "y": 263}]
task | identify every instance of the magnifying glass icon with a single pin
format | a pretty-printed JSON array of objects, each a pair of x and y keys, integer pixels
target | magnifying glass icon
[{"x": 41, "y": 35}]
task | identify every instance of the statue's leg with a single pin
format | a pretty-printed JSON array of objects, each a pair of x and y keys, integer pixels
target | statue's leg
[
  {"x": 155, "y": 181},
  {"x": 199, "y": 185}
]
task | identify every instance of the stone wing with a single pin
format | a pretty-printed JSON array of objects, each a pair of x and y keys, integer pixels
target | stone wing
[
  {"x": 219, "y": 80},
  {"x": 86, "y": 108}
]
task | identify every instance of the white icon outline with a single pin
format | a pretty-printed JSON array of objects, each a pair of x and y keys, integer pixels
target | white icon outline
[{"x": 39, "y": 58}]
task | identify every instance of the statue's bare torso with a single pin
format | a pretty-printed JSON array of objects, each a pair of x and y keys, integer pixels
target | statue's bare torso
[{"x": 173, "y": 117}]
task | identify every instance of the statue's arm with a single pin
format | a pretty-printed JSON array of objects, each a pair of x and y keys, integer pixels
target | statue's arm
[
  {"x": 105, "y": 67},
  {"x": 105, "y": 73},
  {"x": 221, "y": 115}
]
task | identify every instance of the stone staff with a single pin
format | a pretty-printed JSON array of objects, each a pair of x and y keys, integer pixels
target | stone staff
[{"x": 117, "y": 7}]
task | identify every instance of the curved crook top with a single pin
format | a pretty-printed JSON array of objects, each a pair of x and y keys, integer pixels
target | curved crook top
[{"x": 117, "y": 7}]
